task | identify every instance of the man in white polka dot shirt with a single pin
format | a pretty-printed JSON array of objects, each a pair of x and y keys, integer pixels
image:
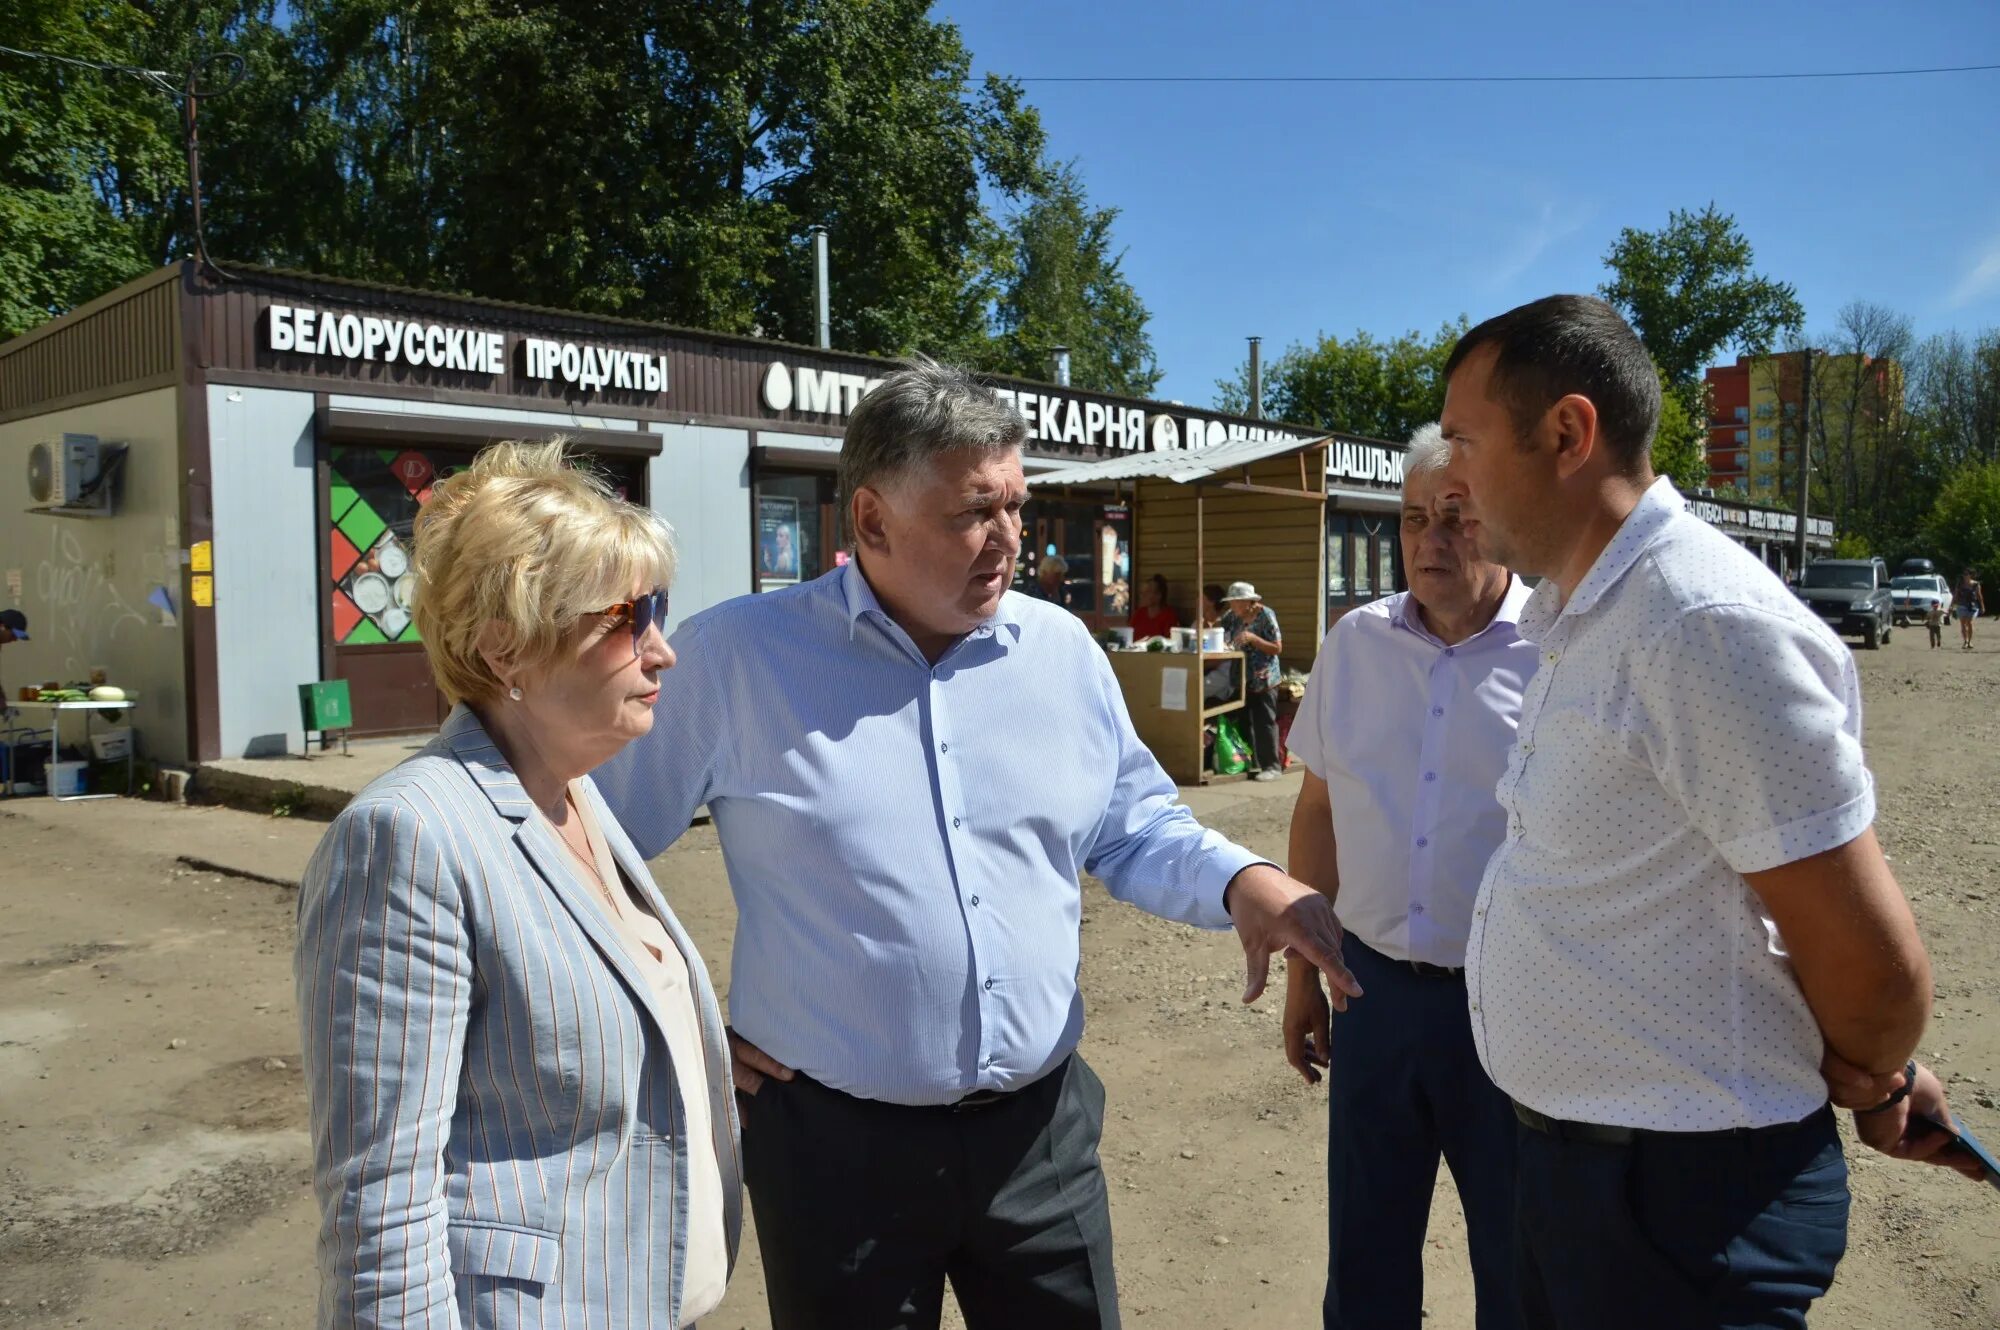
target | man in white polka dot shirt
[{"x": 1690, "y": 920}]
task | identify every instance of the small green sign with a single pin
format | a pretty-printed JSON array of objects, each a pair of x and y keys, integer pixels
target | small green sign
[{"x": 324, "y": 706}]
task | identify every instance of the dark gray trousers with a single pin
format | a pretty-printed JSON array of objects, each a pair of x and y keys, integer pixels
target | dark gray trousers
[{"x": 864, "y": 1209}]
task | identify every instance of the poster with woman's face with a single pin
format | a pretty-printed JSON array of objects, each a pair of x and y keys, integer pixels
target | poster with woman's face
[{"x": 777, "y": 540}]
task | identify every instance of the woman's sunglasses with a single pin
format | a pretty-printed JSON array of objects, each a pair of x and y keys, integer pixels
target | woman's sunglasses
[{"x": 648, "y": 611}]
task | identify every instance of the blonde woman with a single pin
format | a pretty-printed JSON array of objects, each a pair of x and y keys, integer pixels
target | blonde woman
[{"x": 520, "y": 1088}]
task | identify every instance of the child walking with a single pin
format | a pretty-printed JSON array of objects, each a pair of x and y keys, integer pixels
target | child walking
[{"x": 1934, "y": 620}]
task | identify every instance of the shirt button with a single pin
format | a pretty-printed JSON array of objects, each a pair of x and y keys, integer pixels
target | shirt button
[
  {"x": 989, "y": 985},
  {"x": 1527, "y": 750},
  {"x": 1475, "y": 1006},
  {"x": 1422, "y": 841},
  {"x": 975, "y": 900},
  {"x": 1416, "y": 909},
  {"x": 1430, "y": 775},
  {"x": 1437, "y": 711},
  {"x": 1451, "y": 651},
  {"x": 987, "y": 1063},
  {"x": 944, "y": 748},
  {"x": 954, "y": 822}
]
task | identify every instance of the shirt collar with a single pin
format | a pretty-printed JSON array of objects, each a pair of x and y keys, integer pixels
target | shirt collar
[
  {"x": 1507, "y": 616},
  {"x": 859, "y": 598},
  {"x": 1657, "y": 507}
]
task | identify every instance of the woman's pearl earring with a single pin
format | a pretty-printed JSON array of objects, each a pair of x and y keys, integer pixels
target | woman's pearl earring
[{"x": 514, "y": 693}]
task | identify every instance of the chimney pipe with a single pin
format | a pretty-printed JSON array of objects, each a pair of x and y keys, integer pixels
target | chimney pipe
[
  {"x": 820, "y": 295},
  {"x": 1059, "y": 364},
  {"x": 1256, "y": 378}
]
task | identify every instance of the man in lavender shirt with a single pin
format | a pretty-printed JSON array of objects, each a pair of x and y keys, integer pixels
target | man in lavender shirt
[{"x": 1405, "y": 731}]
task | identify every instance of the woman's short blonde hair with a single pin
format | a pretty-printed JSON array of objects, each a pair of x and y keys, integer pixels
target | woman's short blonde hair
[{"x": 526, "y": 539}]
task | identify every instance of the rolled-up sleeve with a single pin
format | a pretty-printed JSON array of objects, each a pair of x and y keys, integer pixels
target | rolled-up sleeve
[
  {"x": 1753, "y": 723},
  {"x": 1149, "y": 850},
  {"x": 384, "y": 979}
]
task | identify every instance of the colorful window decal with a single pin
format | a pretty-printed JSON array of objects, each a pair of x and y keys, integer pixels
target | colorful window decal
[{"x": 374, "y": 497}]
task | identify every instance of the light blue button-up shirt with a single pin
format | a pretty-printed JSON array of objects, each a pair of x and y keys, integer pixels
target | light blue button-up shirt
[
  {"x": 903, "y": 838},
  {"x": 1411, "y": 737}
]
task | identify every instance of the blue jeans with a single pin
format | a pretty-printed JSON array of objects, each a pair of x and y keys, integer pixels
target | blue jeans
[
  {"x": 1405, "y": 1086},
  {"x": 1729, "y": 1231}
]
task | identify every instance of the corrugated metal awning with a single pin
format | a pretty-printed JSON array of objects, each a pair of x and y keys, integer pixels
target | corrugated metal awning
[{"x": 1181, "y": 467}]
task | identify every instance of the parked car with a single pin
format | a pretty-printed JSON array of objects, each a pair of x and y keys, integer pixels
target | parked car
[
  {"x": 1852, "y": 597},
  {"x": 1914, "y": 594}
]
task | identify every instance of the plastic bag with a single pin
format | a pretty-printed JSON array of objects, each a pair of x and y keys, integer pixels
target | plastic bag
[{"x": 1232, "y": 756}]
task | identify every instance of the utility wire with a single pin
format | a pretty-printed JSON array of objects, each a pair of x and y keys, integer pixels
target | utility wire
[
  {"x": 188, "y": 95},
  {"x": 1506, "y": 78},
  {"x": 159, "y": 78}
]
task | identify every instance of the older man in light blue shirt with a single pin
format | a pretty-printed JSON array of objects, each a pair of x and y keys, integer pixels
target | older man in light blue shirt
[
  {"x": 908, "y": 767},
  {"x": 1405, "y": 729}
]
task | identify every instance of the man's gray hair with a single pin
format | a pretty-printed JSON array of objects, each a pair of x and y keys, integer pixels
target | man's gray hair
[
  {"x": 919, "y": 412},
  {"x": 1429, "y": 453}
]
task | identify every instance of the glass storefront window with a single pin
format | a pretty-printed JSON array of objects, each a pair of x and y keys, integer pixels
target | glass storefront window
[
  {"x": 1358, "y": 543},
  {"x": 1094, "y": 539},
  {"x": 374, "y": 495},
  {"x": 793, "y": 515}
]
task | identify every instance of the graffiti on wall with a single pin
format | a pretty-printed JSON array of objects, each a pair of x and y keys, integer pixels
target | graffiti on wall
[{"x": 83, "y": 608}]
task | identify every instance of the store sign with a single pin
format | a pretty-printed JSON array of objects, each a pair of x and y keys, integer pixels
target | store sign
[
  {"x": 589, "y": 367},
  {"x": 1758, "y": 520},
  {"x": 1367, "y": 462},
  {"x": 593, "y": 367},
  {"x": 1052, "y": 417},
  {"x": 322, "y": 332},
  {"x": 819, "y": 392}
]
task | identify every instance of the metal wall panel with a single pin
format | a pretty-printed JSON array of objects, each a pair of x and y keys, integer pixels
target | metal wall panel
[{"x": 267, "y": 576}]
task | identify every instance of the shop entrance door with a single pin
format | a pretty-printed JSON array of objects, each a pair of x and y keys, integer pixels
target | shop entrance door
[{"x": 373, "y": 497}]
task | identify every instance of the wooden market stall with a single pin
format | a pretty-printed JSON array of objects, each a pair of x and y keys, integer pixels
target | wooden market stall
[{"x": 1242, "y": 511}]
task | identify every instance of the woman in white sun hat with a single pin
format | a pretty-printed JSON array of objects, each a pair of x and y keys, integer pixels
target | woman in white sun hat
[{"x": 1249, "y": 626}]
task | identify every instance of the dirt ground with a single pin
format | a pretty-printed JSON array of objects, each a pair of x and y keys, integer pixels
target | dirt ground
[{"x": 153, "y": 1160}]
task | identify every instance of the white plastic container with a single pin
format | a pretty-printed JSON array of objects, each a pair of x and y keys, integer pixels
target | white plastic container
[
  {"x": 113, "y": 745},
  {"x": 67, "y": 778},
  {"x": 1211, "y": 640}
]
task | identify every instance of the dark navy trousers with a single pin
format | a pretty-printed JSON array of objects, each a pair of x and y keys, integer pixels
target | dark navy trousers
[
  {"x": 1405, "y": 1087},
  {"x": 1719, "y": 1231}
]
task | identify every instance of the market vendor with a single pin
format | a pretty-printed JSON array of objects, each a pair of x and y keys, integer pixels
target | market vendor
[
  {"x": 1152, "y": 616},
  {"x": 1250, "y": 627},
  {"x": 13, "y": 628}
]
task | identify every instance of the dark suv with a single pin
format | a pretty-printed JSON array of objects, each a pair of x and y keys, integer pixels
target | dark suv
[{"x": 1852, "y": 596}]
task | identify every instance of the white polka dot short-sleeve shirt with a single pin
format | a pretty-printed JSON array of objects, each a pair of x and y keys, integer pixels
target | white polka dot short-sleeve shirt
[{"x": 1690, "y": 722}]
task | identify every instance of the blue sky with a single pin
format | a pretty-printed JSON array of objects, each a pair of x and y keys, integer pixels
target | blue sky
[{"x": 1287, "y": 210}]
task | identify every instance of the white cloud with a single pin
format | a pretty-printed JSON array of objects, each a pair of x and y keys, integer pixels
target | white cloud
[
  {"x": 1983, "y": 280},
  {"x": 1551, "y": 224}
]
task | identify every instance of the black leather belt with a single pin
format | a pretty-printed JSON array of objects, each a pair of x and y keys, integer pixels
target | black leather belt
[
  {"x": 1596, "y": 1133},
  {"x": 979, "y": 1099},
  {"x": 1424, "y": 968}
]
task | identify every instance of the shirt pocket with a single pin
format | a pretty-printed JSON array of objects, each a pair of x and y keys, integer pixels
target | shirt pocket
[{"x": 500, "y": 1250}]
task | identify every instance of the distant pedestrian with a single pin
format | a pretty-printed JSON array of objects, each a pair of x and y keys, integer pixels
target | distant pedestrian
[
  {"x": 1249, "y": 626},
  {"x": 1969, "y": 604},
  {"x": 1934, "y": 621},
  {"x": 1051, "y": 581}
]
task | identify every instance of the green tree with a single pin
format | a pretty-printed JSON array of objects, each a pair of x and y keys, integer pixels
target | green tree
[
  {"x": 1680, "y": 446},
  {"x": 1689, "y": 290},
  {"x": 658, "y": 159},
  {"x": 1063, "y": 285},
  {"x": 1383, "y": 390},
  {"x": 66, "y": 217},
  {"x": 1963, "y": 528}
]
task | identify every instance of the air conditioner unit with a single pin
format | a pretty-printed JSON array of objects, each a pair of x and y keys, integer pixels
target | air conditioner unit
[{"x": 74, "y": 478}]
